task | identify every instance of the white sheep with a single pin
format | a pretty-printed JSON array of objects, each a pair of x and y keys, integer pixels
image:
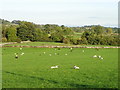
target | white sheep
[
  {"x": 95, "y": 56},
  {"x": 66, "y": 54},
  {"x": 20, "y": 48},
  {"x": 75, "y": 67},
  {"x": 44, "y": 52},
  {"x": 55, "y": 53},
  {"x": 83, "y": 51},
  {"x": 50, "y": 54},
  {"x": 54, "y": 67},
  {"x": 101, "y": 58},
  {"x": 16, "y": 56},
  {"x": 22, "y": 53}
]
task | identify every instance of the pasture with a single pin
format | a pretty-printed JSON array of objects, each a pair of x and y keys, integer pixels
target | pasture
[
  {"x": 54, "y": 44},
  {"x": 32, "y": 70}
]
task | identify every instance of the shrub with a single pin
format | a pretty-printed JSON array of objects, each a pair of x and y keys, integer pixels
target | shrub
[
  {"x": 4, "y": 39},
  {"x": 18, "y": 40}
]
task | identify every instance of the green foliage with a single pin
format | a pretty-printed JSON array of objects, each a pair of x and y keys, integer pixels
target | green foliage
[
  {"x": 109, "y": 30},
  {"x": 11, "y": 33},
  {"x": 94, "y": 35},
  {"x": 100, "y": 36},
  {"x": 26, "y": 31},
  {"x": 66, "y": 41},
  {"x": 18, "y": 40},
  {"x": 4, "y": 39},
  {"x": 98, "y": 29}
]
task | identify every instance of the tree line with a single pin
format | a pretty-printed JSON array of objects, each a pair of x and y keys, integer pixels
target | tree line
[{"x": 17, "y": 31}]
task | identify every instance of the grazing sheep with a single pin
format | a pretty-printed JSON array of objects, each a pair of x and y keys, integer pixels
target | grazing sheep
[
  {"x": 55, "y": 53},
  {"x": 50, "y": 54},
  {"x": 44, "y": 52},
  {"x": 20, "y": 48},
  {"x": 83, "y": 51},
  {"x": 66, "y": 54},
  {"x": 54, "y": 67},
  {"x": 71, "y": 49},
  {"x": 75, "y": 67},
  {"x": 95, "y": 56},
  {"x": 16, "y": 56},
  {"x": 99, "y": 56},
  {"x": 22, "y": 53}
]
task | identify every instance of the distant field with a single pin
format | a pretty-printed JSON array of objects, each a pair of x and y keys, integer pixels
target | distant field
[
  {"x": 39, "y": 44},
  {"x": 77, "y": 35},
  {"x": 53, "y": 44},
  {"x": 32, "y": 70}
]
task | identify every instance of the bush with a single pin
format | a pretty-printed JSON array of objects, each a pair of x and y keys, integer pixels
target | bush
[
  {"x": 18, "y": 40},
  {"x": 4, "y": 39},
  {"x": 66, "y": 41}
]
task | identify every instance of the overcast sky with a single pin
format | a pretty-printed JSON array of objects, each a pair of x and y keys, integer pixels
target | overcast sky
[{"x": 67, "y": 12}]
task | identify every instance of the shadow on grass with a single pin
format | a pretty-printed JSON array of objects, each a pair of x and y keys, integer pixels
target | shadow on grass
[
  {"x": 73, "y": 85},
  {"x": 81, "y": 86},
  {"x": 33, "y": 77}
]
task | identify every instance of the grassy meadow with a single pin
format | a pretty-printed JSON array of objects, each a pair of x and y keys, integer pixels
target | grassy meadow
[
  {"x": 32, "y": 70},
  {"x": 54, "y": 44}
]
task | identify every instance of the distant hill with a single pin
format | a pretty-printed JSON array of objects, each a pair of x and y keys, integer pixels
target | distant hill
[{"x": 2, "y": 21}]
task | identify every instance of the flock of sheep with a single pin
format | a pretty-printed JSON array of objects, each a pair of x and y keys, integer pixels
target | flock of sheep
[
  {"x": 16, "y": 54},
  {"x": 100, "y": 57},
  {"x": 54, "y": 67}
]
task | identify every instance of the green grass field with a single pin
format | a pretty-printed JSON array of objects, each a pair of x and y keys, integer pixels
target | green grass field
[
  {"x": 53, "y": 44},
  {"x": 32, "y": 70}
]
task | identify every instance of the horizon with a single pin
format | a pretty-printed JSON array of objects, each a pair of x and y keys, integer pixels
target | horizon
[
  {"x": 64, "y": 25},
  {"x": 62, "y": 12}
]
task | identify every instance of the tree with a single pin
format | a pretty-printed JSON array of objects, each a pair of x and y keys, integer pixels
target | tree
[
  {"x": 26, "y": 31},
  {"x": 11, "y": 33},
  {"x": 109, "y": 30},
  {"x": 98, "y": 29}
]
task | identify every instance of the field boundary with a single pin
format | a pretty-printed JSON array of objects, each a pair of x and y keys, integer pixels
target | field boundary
[{"x": 58, "y": 46}]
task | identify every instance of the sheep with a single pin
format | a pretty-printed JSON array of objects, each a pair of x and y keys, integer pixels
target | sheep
[
  {"x": 83, "y": 51},
  {"x": 75, "y": 67},
  {"x": 55, "y": 53},
  {"x": 20, "y": 48},
  {"x": 16, "y": 56},
  {"x": 22, "y": 53},
  {"x": 66, "y": 54},
  {"x": 50, "y": 54},
  {"x": 94, "y": 56},
  {"x": 99, "y": 56},
  {"x": 44, "y": 52},
  {"x": 71, "y": 49},
  {"x": 54, "y": 67}
]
